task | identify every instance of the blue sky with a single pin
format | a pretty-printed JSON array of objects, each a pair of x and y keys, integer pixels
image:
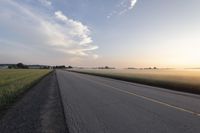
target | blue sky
[{"x": 121, "y": 33}]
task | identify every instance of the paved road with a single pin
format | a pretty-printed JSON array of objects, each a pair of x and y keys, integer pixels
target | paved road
[{"x": 100, "y": 105}]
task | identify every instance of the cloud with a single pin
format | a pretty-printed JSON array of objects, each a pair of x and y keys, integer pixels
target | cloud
[
  {"x": 80, "y": 30},
  {"x": 48, "y": 33},
  {"x": 61, "y": 16},
  {"x": 122, "y": 7},
  {"x": 45, "y": 2},
  {"x": 133, "y": 2},
  {"x": 83, "y": 50}
]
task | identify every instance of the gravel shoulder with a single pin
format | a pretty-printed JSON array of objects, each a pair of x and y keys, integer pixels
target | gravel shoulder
[{"x": 38, "y": 111}]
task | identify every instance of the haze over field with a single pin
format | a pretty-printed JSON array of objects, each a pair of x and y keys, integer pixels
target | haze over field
[{"x": 120, "y": 33}]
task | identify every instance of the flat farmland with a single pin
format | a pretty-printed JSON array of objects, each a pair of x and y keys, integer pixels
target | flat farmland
[
  {"x": 187, "y": 80},
  {"x": 14, "y": 82}
]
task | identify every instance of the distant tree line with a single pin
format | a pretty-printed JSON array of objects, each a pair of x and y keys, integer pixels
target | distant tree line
[
  {"x": 22, "y": 66},
  {"x": 18, "y": 66},
  {"x": 106, "y": 67},
  {"x": 143, "y": 68},
  {"x": 62, "y": 67}
]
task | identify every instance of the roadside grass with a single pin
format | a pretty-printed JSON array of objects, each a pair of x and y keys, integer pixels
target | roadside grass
[
  {"x": 174, "y": 79},
  {"x": 14, "y": 82}
]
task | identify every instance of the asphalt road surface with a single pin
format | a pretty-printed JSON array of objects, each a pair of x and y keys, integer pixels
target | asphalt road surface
[{"x": 101, "y": 105}]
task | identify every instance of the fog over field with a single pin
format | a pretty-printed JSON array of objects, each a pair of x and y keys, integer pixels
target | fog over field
[{"x": 178, "y": 79}]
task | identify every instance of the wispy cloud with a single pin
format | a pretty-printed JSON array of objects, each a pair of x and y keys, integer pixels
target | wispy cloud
[
  {"x": 45, "y": 2},
  {"x": 122, "y": 7},
  {"x": 51, "y": 31},
  {"x": 133, "y": 2}
]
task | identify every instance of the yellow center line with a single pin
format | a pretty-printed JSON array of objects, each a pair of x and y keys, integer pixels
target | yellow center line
[{"x": 144, "y": 97}]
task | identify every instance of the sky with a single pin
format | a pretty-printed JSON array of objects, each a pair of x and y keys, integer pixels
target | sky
[{"x": 118, "y": 33}]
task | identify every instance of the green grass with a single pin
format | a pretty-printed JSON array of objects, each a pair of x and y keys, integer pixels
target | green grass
[
  {"x": 181, "y": 80},
  {"x": 14, "y": 82}
]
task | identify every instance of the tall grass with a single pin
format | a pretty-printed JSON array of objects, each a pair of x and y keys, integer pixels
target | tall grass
[
  {"x": 176, "y": 79},
  {"x": 14, "y": 82}
]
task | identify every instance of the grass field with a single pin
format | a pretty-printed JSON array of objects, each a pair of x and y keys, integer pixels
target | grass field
[
  {"x": 187, "y": 80},
  {"x": 14, "y": 82}
]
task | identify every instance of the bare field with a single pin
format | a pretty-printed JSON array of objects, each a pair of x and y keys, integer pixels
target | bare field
[
  {"x": 14, "y": 82},
  {"x": 178, "y": 79}
]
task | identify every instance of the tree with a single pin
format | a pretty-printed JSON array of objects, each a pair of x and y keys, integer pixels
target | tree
[
  {"x": 69, "y": 67},
  {"x": 21, "y": 66}
]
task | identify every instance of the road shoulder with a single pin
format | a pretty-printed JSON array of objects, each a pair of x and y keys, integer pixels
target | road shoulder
[{"x": 40, "y": 110}]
